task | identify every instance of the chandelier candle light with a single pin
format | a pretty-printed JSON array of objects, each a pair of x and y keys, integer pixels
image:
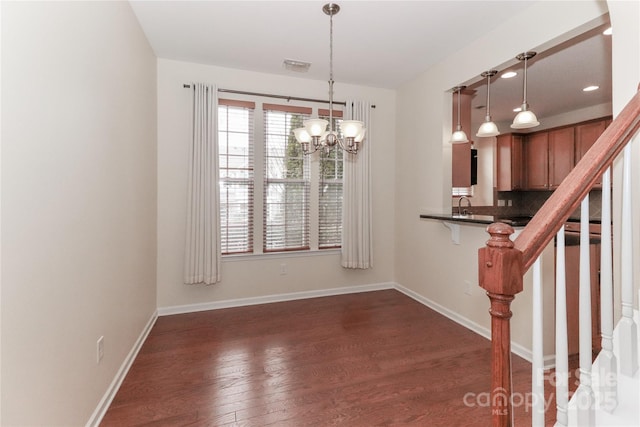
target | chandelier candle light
[
  {"x": 459, "y": 137},
  {"x": 488, "y": 128},
  {"x": 315, "y": 130},
  {"x": 525, "y": 118}
]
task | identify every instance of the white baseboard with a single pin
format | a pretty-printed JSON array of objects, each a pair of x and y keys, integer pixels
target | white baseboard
[
  {"x": 106, "y": 400},
  {"x": 215, "y": 305},
  {"x": 525, "y": 353}
]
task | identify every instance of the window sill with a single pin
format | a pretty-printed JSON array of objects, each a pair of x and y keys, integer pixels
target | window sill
[{"x": 278, "y": 255}]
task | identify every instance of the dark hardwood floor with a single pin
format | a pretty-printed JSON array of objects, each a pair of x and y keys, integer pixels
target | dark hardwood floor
[{"x": 367, "y": 359}]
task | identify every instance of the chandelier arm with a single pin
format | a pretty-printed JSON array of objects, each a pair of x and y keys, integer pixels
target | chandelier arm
[
  {"x": 308, "y": 153},
  {"x": 350, "y": 150}
]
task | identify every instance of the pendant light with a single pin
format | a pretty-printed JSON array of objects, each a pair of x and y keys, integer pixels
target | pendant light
[
  {"x": 488, "y": 128},
  {"x": 458, "y": 137},
  {"x": 525, "y": 118},
  {"x": 314, "y": 134}
]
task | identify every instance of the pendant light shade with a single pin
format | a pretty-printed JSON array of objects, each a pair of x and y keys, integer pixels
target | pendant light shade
[
  {"x": 488, "y": 128},
  {"x": 458, "y": 137},
  {"x": 525, "y": 119}
]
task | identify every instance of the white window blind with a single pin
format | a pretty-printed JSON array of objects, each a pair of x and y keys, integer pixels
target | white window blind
[
  {"x": 286, "y": 180},
  {"x": 330, "y": 191},
  {"x": 235, "y": 142},
  {"x": 462, "y": 191}
]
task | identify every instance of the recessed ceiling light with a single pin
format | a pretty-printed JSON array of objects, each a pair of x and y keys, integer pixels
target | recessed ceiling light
[
  {"x": 607, "y": 32},
  {"x": 591, "y": 88},
  {"x": 517, "y": 109},
  {"x": 296, "y": 65},
  {"x": 508, "y": 74}
]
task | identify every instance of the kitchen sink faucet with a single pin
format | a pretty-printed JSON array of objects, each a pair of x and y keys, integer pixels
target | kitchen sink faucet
[{"x": 465, "y": 211}]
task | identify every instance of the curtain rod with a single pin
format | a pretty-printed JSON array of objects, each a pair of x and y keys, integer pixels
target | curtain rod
[{"x": 269, "y": 95}]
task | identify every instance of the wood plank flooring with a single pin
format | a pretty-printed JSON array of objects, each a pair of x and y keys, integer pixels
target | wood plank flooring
[{"x": 368, "y": 359}]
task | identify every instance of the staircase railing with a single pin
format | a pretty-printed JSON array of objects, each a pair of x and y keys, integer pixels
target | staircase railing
[{"x": 503, "y": 263}]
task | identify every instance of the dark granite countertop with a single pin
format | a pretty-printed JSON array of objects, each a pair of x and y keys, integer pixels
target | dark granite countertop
[
  {"x": 512, "y": 220},
  {"x": 515, "y": 221}
]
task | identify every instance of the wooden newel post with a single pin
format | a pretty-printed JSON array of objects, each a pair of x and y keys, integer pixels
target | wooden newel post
[{"x": 500, "y": 274}]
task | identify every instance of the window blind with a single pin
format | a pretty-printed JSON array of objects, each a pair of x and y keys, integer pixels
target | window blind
[
  {"x": 462, "y": 191},
  {"x": 235, "y": 142},
  {"x": 286, "y": 180}
]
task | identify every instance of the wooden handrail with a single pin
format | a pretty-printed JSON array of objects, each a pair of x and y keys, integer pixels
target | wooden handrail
[
  {"x": 567, "y": 197},
  {"x": 502, "y": 263}
]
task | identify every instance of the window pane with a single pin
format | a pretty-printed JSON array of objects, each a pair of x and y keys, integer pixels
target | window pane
[
  {"x": 330, "y": 196},
  {"x": 235, "y": 142},
  {"x": 286, "y": 187}
]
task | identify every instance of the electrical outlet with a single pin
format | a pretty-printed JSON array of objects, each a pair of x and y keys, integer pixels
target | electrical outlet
[
  {"x": 283, "y": 269},
  {"x": 500, "y": 202},
  {"x": 468, "y": 287},
  {"x": 100, "y": 349},
  {"x": 509, "y": 202}
]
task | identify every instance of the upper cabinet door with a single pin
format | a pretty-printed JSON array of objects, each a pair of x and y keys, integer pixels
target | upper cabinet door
[
  {"x": 509, "y": 162},
  {"x": 536, "y": 160},
  {"x": 561, "y": 155},
  {"x": 586, "y": 136}
]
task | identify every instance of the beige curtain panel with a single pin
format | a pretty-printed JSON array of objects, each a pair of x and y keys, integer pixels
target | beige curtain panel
[{"x": 202, "y": 248}]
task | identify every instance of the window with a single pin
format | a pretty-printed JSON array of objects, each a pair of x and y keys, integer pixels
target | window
[
  {"x": 461, "y": 191},
  {"x": 235, "y": 145},
  {"x": 286, "y": 180},
  {"x": 262, "y": 169}
]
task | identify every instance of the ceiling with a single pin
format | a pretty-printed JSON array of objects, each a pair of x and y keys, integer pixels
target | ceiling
[
  {"x": 376, "y": 43},
  {"x": 555, "y": 79}
]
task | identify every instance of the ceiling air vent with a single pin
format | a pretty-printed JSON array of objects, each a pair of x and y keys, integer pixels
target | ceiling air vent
[{"x": 295, "y": 65}]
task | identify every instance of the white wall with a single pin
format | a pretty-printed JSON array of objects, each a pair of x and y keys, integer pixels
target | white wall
[
  {"x": 78, "y": 203},
  {"x": 260, "y": 276},
  {"x": 426, "y": 260}
]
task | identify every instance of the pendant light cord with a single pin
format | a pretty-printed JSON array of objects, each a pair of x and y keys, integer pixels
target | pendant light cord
[
  {"x": 488, "y": 93},
  {"x": 459, "y": 127},
  {"x": 524, "y": 101}
]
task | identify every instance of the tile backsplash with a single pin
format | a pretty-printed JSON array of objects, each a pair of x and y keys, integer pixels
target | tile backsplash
[{"x": 529, "y": 202}]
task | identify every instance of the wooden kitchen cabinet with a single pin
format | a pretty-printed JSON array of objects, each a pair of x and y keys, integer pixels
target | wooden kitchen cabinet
[
  {"x": 536, "y": 161},
  {"x": 561, "y": 155},
  {"x": 572, "y": 260},
  {"x": 542, "y": 160},
  {"x": 509, "y": 173},
  {"x": 586, "y": 135}
]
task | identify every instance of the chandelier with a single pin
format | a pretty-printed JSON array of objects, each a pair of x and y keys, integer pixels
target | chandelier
[{"x": 314, "y": 135}]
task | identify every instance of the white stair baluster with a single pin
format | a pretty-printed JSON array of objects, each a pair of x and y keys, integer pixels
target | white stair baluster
[
  {"x": 585, "y": 398},
  {"x": 562, "y": 357},
  {"x": 628, "y": 334},
  {"x": 537, "y": 371},
  {"x": 608, "y": 370}
]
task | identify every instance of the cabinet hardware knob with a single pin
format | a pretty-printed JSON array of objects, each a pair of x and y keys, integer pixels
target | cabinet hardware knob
[{"x": 489, "y": 264}]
